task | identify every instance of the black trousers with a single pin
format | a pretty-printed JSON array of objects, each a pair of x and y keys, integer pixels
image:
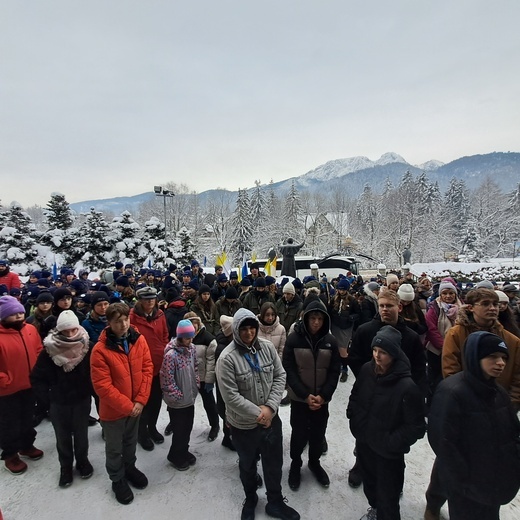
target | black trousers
[
  {"x": 70, "y": 423},
  {"x": 434, "y": 372},
  {"x": 16, "y": 422},
  {"x": 383, "y": 481},
  {"x": 307, "y": 426},
  {"x": 221, "y": 408},
  {"x": 181, "y": 420},
  {"x": 267, "y": 442},
  {"x": 462, "y": 508},
  {"x": 152, "y": 409},
  {"x": 208, "y": 400}
]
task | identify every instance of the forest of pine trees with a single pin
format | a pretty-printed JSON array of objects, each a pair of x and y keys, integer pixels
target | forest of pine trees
[{"x": 381, "y": 222}]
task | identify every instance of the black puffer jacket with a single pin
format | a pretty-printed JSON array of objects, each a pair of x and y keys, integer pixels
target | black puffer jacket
[
  {"x": 312, "y": 363},
  {"x": 361, "y": 351},
  {"x": 474, "y": 432},
  {"x": 387, "y": 411}
]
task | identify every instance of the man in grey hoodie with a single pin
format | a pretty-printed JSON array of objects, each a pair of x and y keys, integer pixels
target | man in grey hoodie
[{"x": 252, "y": 381}]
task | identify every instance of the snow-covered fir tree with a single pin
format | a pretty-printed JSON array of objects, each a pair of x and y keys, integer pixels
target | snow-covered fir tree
[
  {"x": 456, "y": 212},
  {"x": 60, "y": 235},
  {"x": 126, "y": 236},
  {"x": 241, "y": 224},
  {"x": 187, "y": 246}
]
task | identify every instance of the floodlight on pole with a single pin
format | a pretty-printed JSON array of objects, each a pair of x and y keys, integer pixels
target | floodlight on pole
[{"x": 164, "y": 193}]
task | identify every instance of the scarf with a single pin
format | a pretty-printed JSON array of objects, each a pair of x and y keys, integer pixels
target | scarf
[{"x": 67, "y": 352}]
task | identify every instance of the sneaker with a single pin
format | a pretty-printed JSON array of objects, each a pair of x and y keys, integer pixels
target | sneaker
[
  {"x": 191, "y": 459},
  {"x": 14, "y": 465},
  {"x": 354, "y": 477},
  {"x": 32, "y": 453},
  {"x": 168, "y": 430},
  {"x": 65, "y": 477},
  {"x": 294, "y": 477},
  {"x": 248, "y": 507},
  {"x": 430, "y": 514},
  {"x": 228, "y": 443},
  {"x": 213, "y": 433},
  {"x": 371, "y": 514},
  {"x": 146, "y": 443},
  {"x": 320, "y": 474},
  {"x": 344, "y": 377},
  {"x": 279, "y": 509},
  {"x": 259, "y": 481},
  {"x": 156, "y": 437},
  {"x": 122, "y": 491},
  {"x": 135, "y": 477},
  {"x": 85, "y": 469},
  {"x": 324, "y": 446},
  {"x": 179, "y": 466}
]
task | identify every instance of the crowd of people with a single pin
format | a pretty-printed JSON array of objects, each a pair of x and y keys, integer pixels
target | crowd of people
[{"x": 427, "y": 356}]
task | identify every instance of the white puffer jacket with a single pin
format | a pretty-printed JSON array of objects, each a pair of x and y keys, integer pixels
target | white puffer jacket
[{"x": 275, "y": 333}]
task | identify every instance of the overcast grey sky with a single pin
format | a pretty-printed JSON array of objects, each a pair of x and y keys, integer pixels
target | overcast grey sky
[{"x": 107, "y": 98}]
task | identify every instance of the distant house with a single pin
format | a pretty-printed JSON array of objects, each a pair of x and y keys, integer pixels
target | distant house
[{"x": 325, "y": 233}]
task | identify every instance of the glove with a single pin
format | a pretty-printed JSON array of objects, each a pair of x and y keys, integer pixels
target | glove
[{"x": 208, "y": 387}]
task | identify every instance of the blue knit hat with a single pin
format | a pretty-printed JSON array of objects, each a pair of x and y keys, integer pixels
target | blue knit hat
[{"x": 185, "y": 329}]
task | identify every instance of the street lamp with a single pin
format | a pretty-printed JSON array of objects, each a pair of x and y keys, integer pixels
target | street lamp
[{"x": 160, "y": 192}]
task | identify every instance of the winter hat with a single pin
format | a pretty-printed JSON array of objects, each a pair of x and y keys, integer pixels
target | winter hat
[
  {"x": 10, "y": 306},
  {"x": 194, "y": 284},
  {"x": 146, "y": 293},
  {"x": 85, "y": 298},
  {"x": 43, "y": 282},
  {"x": 3, "y": 290},
  {"x": 94, "y": 286},
  {"x": 373, "y": 286},
  {"x": 98, "y": 297},
  {"x": 221, "y": 278},
  {"x": 406, "y": 292},
  {"x": 123, "y": 281},
  {"x": 45, "y": 297},
  {"x": 233, "y": 275},
  {"x": 187, "y": 274},
  {"x": 194, "y": 263},
  {"x": 67, "y": 320},
  {"x": 246, "y": 282},
  {"x": 490, "y": 343},
  {"x": 297, "y": 284},
  {"x": 231, "y": 293},
  {"x": 391, "y": 278},
  {"x": 289, "y": 288},
  {"x": 61, "y": 293},
  {"x": 446, "y": 285},
  {"x": 510, "y": 288},
  {"x": 77, "y": 285},
  {"x": 269, "y": 280},
  {"x": 15, "y": 291},
  {"x": 204, "y": 288},
  {"x": 313, "y": 283},
  {"x": 4, "y": 262},
  {"x": 484, "y": 284},
  {"x": 226, "y": 324},
  {"x": 389, "y": 339},
  {"x": 119, "y": 265},
  {"x": 171, "y": 294},
  {"x": 502, "y": 297},
  {"x": 259, "y": 282},
  {"x": 37, "y": 275},
  {"x": 185, "y": 329},
  {"x": 343, "y": 284}
]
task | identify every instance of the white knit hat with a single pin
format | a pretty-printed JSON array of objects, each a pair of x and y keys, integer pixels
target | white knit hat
[
  {"x": 406, "y": 292},
  {"x": 67, "y": 320},
  {"x": 502, "y": 297},
  {"x": 289, "y": 288}
]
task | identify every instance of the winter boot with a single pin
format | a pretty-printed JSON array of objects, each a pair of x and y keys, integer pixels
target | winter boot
[
  {"x": 122, "y": 491},
  {"x": 65, "y": 477},
  {"x": 14, "y": 465}
]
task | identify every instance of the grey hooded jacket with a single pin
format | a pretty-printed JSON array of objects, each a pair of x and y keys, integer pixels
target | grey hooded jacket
[{"x": 244, "y": 388}]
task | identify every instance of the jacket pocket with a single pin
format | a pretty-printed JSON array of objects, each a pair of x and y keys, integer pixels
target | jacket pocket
[{"x": 245, "y": 382}]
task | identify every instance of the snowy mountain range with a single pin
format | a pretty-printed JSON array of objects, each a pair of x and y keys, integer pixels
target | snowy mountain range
[{"x": 355, "y": 172}]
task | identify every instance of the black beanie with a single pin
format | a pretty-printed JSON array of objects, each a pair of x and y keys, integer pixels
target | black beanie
[
  {"x": 98, "y": 296},
  {"x": 60, "y": 293},
  {"x": 489, "y": 344},
  {"x": 45, "y": 297},
  {"x": 204, "y": 288},
  {"x": 259, "y": 282},
  {"x": 171, "y": 294},
  {"x": 231, "y": 293},
  {"x": 389, "y": 339}
]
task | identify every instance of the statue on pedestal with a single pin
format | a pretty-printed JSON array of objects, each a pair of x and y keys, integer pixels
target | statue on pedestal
[{"x": 289, "y": 250}]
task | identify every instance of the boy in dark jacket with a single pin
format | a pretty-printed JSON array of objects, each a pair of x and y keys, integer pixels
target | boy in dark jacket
[
  {"x": 386, "y": 413},
  {"x": 311, "y": 360},
  {"x": 475, "y": 433}
]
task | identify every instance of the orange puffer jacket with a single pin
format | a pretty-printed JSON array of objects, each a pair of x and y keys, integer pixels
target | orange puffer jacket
[
  {"x": 120, "y": 379},
  {"x": 19, "y": 351}
]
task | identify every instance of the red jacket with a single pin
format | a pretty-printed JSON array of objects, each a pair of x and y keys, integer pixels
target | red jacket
[
  {"x": 18, "y": 353},
  {"x": 155, "y": 331},
  {"x": 11, "y": 280},
  {"x": 120, "y": 379}
]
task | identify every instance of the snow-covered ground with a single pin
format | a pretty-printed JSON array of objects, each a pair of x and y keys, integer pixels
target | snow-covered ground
[{"x": 211, "y": 489}]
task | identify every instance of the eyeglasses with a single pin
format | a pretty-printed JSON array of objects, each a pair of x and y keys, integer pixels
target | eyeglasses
[{"x": 487, "y": 304}]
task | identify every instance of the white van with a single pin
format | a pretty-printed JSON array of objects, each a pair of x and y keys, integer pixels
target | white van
[{"x": 330, "y": 266}]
